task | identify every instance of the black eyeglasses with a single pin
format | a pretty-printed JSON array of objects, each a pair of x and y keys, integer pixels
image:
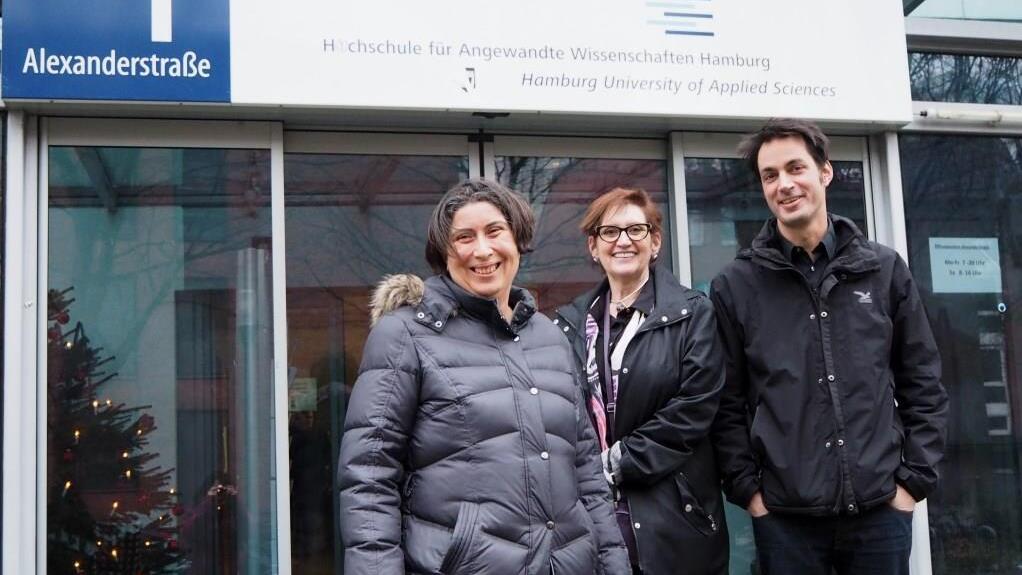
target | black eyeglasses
[{"x": 635, "y": 232}]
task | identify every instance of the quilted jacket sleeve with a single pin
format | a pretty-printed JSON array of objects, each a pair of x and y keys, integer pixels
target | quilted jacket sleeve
[
  {"x": 381, "y": 412},
  {"x": 922, "y": 400},
  {"x": 739, "y": 467},
  {"x": 595, "y": 495},
  {"x": 661, "y": 445}
]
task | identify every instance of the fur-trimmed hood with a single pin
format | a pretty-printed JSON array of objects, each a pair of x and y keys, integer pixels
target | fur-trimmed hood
[{"x": 392, "y": 292}]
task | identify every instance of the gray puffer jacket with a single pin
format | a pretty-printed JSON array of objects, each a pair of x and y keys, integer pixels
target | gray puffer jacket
[{"x": 466, "y": 447}]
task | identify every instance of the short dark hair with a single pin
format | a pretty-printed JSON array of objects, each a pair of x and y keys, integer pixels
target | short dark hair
[
  {"x": 815, "y": 140},
  {"x": 511, "y": 204},
  {"x": 614, "y": 199}
]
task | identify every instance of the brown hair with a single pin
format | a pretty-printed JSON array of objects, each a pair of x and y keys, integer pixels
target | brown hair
[
  {"x": 815, "y": 140},
  {"x": 511, "y": 204},
  {"x": 616, "y": 198}
]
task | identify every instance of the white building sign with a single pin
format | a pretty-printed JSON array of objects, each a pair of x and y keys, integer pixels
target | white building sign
[{"x": 733, "y": 58}]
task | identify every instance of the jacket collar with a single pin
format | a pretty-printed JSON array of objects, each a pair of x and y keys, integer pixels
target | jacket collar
[
  {"x": 443, "y": 299},
  {"x": 671, "y": 302},
  {"x": 852, "y": 253}
]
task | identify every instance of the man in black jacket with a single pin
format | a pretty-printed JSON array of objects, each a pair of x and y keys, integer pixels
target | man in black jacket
[{"x": 832, "y": 420}]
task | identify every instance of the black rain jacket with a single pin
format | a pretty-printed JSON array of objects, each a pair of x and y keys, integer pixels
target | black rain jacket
[
  {"x": 466, "y": 447},
  {"x": 671, "y": 378},
  {"x": 833, "y": 395}
]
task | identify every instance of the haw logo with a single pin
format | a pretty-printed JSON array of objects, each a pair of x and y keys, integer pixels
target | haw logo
[{"x": 162, "y": 20}]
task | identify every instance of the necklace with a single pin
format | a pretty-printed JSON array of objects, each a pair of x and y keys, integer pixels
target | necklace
[{"x": 619, "y": 304}]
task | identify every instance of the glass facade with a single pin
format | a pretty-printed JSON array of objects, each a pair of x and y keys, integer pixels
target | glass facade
[
  {"x": 159, "y": 331},
  {"x": 961, "y": 78},
  {"x": 963, "y": 209}
]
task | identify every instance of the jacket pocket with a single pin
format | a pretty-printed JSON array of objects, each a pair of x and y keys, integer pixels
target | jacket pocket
[
  {"x": 692, "y": 510},
  {"x": 461, "y": 540}
]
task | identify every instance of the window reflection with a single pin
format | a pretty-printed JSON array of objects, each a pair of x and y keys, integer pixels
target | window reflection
[
  {"x": 159, "y": 389},
  {"x": 726, "y": 211},
  {"x": 559, "y": 190},
  {"x": 350, "y": 220},
  {"x": 961, "y": 78},
  {"x": 971, "y": 188}
]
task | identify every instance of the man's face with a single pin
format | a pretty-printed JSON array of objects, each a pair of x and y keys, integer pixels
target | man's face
[{"x": 794, "y": 187}]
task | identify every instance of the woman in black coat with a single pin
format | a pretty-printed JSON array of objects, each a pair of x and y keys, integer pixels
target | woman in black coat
[
  {"x": 654, "y": 415},
  {"x": 467, "y": 449}
]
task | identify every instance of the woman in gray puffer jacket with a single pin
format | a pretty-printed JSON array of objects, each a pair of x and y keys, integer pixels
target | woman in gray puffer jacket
[{"x": 466, "y": 447}]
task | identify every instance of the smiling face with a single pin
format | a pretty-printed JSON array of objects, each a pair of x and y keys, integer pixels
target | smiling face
[
  {"x": 625, "y": 260},
  {"x": 483, "y": 256},
  {"x": 794, "y": 186}
]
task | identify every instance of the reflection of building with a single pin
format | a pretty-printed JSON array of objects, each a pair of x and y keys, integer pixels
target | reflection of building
[{"x": 224, "y": 252}]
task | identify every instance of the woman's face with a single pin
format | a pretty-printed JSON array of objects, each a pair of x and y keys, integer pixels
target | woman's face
[
  {"x": 483, "y": 257},
  {"x": 625, "y": 259}
]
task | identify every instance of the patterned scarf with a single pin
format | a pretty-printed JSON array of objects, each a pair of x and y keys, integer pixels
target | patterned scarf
[{"x": 596, "y": 404}]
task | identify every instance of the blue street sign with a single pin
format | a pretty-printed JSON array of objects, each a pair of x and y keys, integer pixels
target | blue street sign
[{"x": 159, "y": 50}]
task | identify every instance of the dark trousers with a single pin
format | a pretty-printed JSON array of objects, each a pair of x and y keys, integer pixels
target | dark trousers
[{"x": 876, "y": 542}]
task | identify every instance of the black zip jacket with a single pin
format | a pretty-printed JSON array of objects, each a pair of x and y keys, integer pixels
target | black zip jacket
[
  {"x": 833, "y": 393},
  {"x": 670, "y": 381}
]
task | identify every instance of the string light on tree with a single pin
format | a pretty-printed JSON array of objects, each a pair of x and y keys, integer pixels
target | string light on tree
[{"x": 105, "y": 484}]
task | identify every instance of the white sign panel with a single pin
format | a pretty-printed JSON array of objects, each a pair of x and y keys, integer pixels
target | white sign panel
[
  {"x": 965, "y": 265},
  {"x": 830, "y": 60}
]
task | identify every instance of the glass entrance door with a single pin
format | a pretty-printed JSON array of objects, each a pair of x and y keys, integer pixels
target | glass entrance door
[
  {"x": 963, "y": 210},
  {"x": 356, "y": 208},
  {"x": 725, "y": 212},
  {"x": 159, "y": 349}
]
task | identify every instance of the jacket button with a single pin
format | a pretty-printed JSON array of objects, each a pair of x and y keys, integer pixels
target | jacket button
[
  {"x": 557, "y": 321},
  {"x": 533, "y": 391},
  {"x": 637, "y": 525},
  {"x": 812, "y": 316},
  {"x": 823, "y": 314},
  {"x": 819, "y": 380},
  {"x": 663, "y": 318},
  {"x": 684, "y": 311},
  {"x": 565, "y": 329},
  {"x": 688, "y": 508},
  {"x": 840, "y": 443},
  {"x": 518, "y": 338},
  {"x": 624, "y": 370},
  {"x": 549, "y": 524},
  {"x": 438, "y": 323},
  {"x": 827, "y": 445},
  {"x": 830, "y": 378},
  {"x": 420, "y": 315},
  {"x": 544, "y": 455},
  {"x": 851, "y": 507}
]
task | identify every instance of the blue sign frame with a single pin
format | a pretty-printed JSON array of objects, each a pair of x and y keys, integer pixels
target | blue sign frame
[{"x": 143, "y": 50}]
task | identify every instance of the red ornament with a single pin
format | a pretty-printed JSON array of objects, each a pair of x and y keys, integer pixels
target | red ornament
[
  {"x": 172, "y": 545},
  {"x": 53, "y": 333},
  {"x": 177, "y": 510},
  {"x": 63, "y": 318}
]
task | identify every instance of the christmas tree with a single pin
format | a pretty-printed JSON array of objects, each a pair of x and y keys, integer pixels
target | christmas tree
[{"x": 110, "y": 509}]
